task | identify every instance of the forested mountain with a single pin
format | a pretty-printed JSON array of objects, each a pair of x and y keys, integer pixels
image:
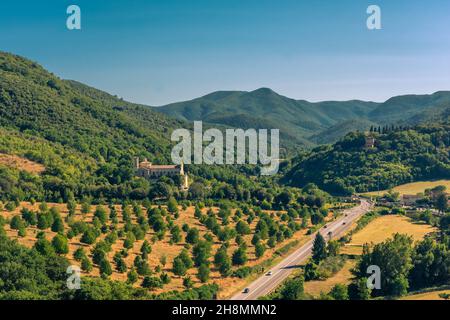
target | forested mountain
[
  {"x": 304, "y": 122},
  {"x": 399, "y": 156},
  {"x": 403, "y": 108},
  {"x": 85, "y": 138},
  {"x": 339, "y": 130},
  {"x": 264, "y": 108},
  {"x": 36, "y": 102}
]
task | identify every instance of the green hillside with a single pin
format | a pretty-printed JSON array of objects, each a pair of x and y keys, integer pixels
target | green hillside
[
  {"x": 86, "y": 138},
  {"x": 431, "y": 115},
  {"x": 403, "y": 108},
  {"x": 339, "y": 130},
  {"x": 263, "y": 108},
  {"x": 399, "y": 156},
  {"x": 302, "y": 122}
]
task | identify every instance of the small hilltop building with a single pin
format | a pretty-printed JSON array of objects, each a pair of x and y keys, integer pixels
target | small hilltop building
[
  {"x": 370, "y": 142},
  {"x": 151, "y": 171}
]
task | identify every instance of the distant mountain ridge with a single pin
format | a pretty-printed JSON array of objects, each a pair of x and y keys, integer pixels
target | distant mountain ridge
[
  {"x": 84, "y": 137},
  {"x": 306, "y": 123}
]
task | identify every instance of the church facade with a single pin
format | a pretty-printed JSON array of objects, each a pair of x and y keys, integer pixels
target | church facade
[{"x": 151, "y": 171}]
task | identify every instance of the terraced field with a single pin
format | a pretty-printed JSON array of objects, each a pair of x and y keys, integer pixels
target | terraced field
[{"x": 163, "y": 250}]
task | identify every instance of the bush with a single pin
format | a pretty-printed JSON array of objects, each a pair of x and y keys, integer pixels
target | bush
[
  {"x": 60, "y": 244},
  {"x": 86, "y": 264},
  {"x": 16, "y": 223},
  {"x": 89, "y": 236},
  {"x": 79, "y": 254},
  {"x": 203, "y": 273},
  {"x": 292, "y": 289},
  {"x": 239, "y": 256},
  {"x": 105, "y": 267},
  {"x": 242, "y": 272},
  {"x": 152, "y": 283}
]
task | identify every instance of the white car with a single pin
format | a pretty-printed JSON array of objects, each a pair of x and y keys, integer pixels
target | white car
[{"x": 269, "y": 273}]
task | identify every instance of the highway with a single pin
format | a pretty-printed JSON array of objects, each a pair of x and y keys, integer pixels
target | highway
[{"x": 266, "y": 284}]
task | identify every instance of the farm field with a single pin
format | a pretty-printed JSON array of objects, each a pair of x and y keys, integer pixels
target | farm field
[
  {"x": 343, "y": 276},
  {"x": 383, "y": 228},
  {"x": 163, "y": 251},
  {"x": 433, "y": 295},
  {"x": 414, "y": 187}
]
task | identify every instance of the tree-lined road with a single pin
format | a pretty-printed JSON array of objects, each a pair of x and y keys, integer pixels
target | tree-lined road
[{"x": 265, "y": 284}]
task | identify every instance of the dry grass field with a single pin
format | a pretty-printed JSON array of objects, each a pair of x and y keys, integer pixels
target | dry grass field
[
  {"x": 21, "y": 163},
  {"x": 161, "y": 248},
  {"x": 414, "y": 188},
  {"x": 341, "y": 277},
  {"x": 383, "y": 228},
  {"x": 433, "y": 295}
]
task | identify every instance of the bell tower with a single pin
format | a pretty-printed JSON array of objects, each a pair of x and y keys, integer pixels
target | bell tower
[
  {"x": 182, "y": 168},
  {"x": 136, "y": 163}
]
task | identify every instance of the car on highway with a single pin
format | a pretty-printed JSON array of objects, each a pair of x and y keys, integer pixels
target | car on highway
[
  {"x": 269, "y": 273},
  {"x": 246, "y": 290},
  {"x": 344, "y": 223}
]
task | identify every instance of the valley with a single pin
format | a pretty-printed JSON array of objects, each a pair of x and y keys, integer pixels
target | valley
[
  {"x": 306, "y": 123},
  {"x": 71, "y": 194},
  {"x": 122, "y": 240}
]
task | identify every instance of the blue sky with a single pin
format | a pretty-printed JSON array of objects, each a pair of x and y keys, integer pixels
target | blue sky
[{"x": 161, "y": 51}]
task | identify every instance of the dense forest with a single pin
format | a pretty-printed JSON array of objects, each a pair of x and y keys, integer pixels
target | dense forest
[
  {"x": 86, "y": 139},
  {"x": 400, "y": 155}
]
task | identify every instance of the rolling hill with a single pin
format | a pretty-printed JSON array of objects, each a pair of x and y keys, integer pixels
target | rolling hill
[
  {"x": 264, "y": 108},
  {"x": 399, "y": 156},
  {"x": 85, "y": 138},
  {"x": 334, "y": 133},
  {"x": 404, "y": 108},
  {"x": 302, "y": 122}
]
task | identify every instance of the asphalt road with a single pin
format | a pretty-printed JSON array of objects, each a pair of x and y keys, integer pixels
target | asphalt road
[{"x": 265, "y": 284}]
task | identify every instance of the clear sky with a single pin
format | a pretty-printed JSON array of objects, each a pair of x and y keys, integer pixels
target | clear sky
[{"x": 161, "y": 51}]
